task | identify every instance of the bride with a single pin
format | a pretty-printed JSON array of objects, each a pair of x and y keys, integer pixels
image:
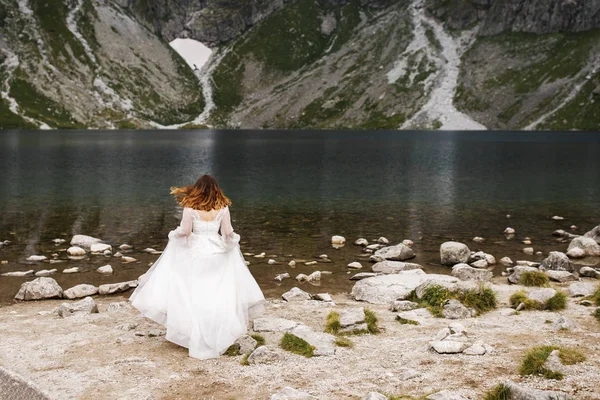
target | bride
[{"x": 200, "y": 287}]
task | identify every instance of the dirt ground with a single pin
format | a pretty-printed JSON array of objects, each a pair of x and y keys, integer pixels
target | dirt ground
[{"x": 96, "y": 356}]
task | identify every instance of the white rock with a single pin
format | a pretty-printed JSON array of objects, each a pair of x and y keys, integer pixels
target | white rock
[
  {"x": 246, "y": 344},
  {"x": 117, "y": 287},
  {"x": 466, "y": 273},
  {"x": 296, "y": 294},
  {"x": 352, "y": 316},
  {"x": 582, "y": 289},
  {"x": 127, "y": 260},
  {"x": 506, "y": 261},
  {"x": 576, "y": 252},
  {"x": 479, "y": 264},
  {"x": 46, "y": 272},
  {"x": 310, "y": 263},
  {"x": 73, "y": 270},
  {"x": 19, "y": 274},
  {"x": 100, "y": 248},
  {"x": 363, "y": 275},
  {"x": 59, "y": 241},
  {"x": 448, "y": 346},
  {"x": 403, "y": 305},
  {"x": 561, "y": 276},
  {"x": 315, "y": 276},
  {"x": 84, "y": 241},
  {"x": 557, "y": 218},
  {"x": 85, "y": 306},
  {"x": 361, "y": 242},
  {"x": 292, "y": 263},
  {"x": 590, "y": 272},
  {"x": 271, "y": 262},
  {"x": 384, "y": 289},
  {"x": 107, "y": 253},
  {"x": 338, "y": 240},
  {"x": 281, "y": 277},
  {"x": 261, "y": 255},
  {"x": 118, "y": 254},
  {"x": 302, "y": 277},
  {"x": 80, "y": 291},
  {"x": 477, "y": 349},
  {"x": 509, "y": 231},
  {"x": 541, "y": 294},
  {"x": 528, "y": 250},
  {"x": 38, "y": 289},
  {"x": 36, "y": 258},
  {"x": 75, "y": 251},
  {"x": 383, "y": 241},
  {"x": 323, "y": 297},
  {"x": 355, "y": 265},
  {"x": 105, "y": 270},
  {"x": 125, "y": 247},
  {"x": 491, "y": 260},
  {"x": 478, "y": 239},
  {"x": 398, "y": 252},
  {"x": 273, "y": 325},
  {"x": 452, "y": 253},
  {"x": 515, "y": 277}
]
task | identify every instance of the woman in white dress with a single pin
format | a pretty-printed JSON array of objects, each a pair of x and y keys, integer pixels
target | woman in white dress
[{"x": 200, "y": 287}]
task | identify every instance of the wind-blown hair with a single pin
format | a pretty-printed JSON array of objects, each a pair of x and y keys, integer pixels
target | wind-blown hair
[{"x": 204, "y": 195}]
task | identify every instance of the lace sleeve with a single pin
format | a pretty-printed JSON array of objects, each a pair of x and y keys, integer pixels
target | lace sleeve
[
  {"x": 185, "y": 227},
  {"x": 229, "y": 236}
]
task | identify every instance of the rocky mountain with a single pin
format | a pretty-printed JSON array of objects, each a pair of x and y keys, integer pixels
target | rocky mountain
[{"x": 373, "y": 64}]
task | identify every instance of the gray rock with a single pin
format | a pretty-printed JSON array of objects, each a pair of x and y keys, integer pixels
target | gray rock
[
  {"x": 384, "y": 289},
  {"x": 445, "y": 395},
  {"x": 589, "y": 272},
  {"x": 518, "y": 392},
  {"x": 561, "y": 276},
  {"x": 84, "y": 241},
  {"x": 355, "y": 265},
  {"x": 442, "y": 334},
  {"x": 296, "y": 294},
  {"x": 432, "y": 280},
  {"x": 85, "y": 306},
  {"x": 452, "y": 253},
  {"x": 582, "y": 289},
  {"x": 73, "y": 270},
  {"x": 448, "y": 346},
  {"x": 589, "y": 246},
  {"x": 75, "y": 251},
  {"x": 288, "y": 393},
  {"x": 105, "y": 270},
  {"x": 363, "y": 275},
  {"x": 477, "y": 349},
  {"x": 523, "y": 263},
  {"x": 18, "y": 274},
  {"x": 594, "y": 233},
  {"x": 324, "y": 343},
  {"x": 246, "y": 344},
  {"x": 466, "y": 273},
  {"x": 453, "y": 309},
  {"x": 563, "y": 324},
  {"x": 563, "y": 235},
  {"x": 399, "y": 252},
  {"x": 479, "y": 264},
  {"x": 264, "y": 355},
  {"x": 281, "y": 277},
  {"x": 352, "y": 316},
  {"x": 80, "y": 291},
  {"x": 541, "y": 294},
  {"x": 403, "y": 305},
  {"x": 39, "y": 289},
  {"x": 273, "y": 325},
  {"x": 117, "y": 287},
  {"x": 506, "y": 261},
  {"x": 375, "y": 396},
  {"x": 393, "y": 267},
  {"x": 46, "y": 272},
  {"x": 421, "y": 315},
  {"x": 322, "y": 297},
  {"x": 361, "y": 242},
  {"x": 515, "y": 277},
  {"x": 557, "y": 261},
  {"x": 553, "y": 362}
]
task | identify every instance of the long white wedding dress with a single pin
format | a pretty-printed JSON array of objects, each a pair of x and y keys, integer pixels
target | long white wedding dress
[{"x": 200, "y": 287}]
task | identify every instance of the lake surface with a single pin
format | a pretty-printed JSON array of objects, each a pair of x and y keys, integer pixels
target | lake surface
[{"x": 291, "y": 192}]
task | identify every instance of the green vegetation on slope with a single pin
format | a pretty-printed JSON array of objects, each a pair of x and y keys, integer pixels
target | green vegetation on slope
[{"x": 9, "y": 120}]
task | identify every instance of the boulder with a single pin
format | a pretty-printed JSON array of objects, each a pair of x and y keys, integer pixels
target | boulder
[
  {"x": 518, "y": 392},
  {"x": 448, "y": 346},
  {"x": 75, "y": 251},
  {"x": 84, "y": 241},
  {"x": 453, "y": 309},
  {"x": 100, "y": 248},
  {"x": 324, "y": 343},
  {"x": 39, "y": 289},
  {"x": 361, "y": 242},
  {"x": 288, "y": 393},
  {"x": 46, "y": 272},
  {"x": 246, "y": 344},
  {"x": 445, "y": 395},
  {"x": 363, "y": 275},
  {"x": 466, "y": 273},
  {"x": 273, "y": 325},
  {"x": 296, "y": 294},
  {"x": 355, "y": 265},
  {"x": 117, "y": 287},
  {"x": 594, "y": 234},
  {"x": 557, "y": 261},
  {"x": 589, "y": 272},
  {"x": 541, "y": 294},
  {"x": 515, "y": 277},
  {"x": 105, "y": 270},
  {"x": 582, "y": 289},
  {"x": 561, "y": 276},
  {"x": 403, "y": 305},
  {"x": 506, "y": 261},
  {"x": 452, "y": 253},
  {"x": 264, "y": 355},
  {"x": 352, "y": 316},
  {"x": 80, "y": 291},
  {"x": 393, "y": 267},
  {"x": 85, "y": 306},
  {"x": 399, "y": 252},
  {"x": 479, "y": 264},
  {"x": 588, "y": 245},
  {"x": 322, "y": 297},
  {"x": 384, "y": 289}
]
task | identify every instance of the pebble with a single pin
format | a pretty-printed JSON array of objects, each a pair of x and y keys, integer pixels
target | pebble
[
  {"x": 271, "y": 262},
  {"x": 292, "y": 263},
  {"x": 126, "y": 259},
  {"x": 509, "y": 231},
  {"x": 70, "y": 270},
  {"x": 528, "y": 250},
  {"x": 355, "y": 265}
]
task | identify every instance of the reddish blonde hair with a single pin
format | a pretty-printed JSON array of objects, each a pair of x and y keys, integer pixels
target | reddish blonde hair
[{"x": 204, "y": 195}]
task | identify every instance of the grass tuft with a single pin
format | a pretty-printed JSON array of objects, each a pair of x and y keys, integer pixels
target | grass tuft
[
  {"x": 260, "y": 339},
  {"x": 556, "y": 303},
  {"x": 499, "y": 392},
  {"x": 245, "y": 359},
  {"x": 534, "y": 278},
  {"x": 332, "y": 324},
  {"x": 596, "y": 314},
  {"x": 371, "y": 320},
  {"x": 404, "y": 321},
  {"x": 343, "y": 342},
  {"x": 596, "y": 297},
  {"x": 434, "y": 298},
  {"x": 233, "y": 350},
  {"x": 533, "y": 363},
  {"x": 296, "y": 345}
]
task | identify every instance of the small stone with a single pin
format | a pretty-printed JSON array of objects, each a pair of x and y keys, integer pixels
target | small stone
[
  {"x": 403, "y": 305},
  {"x": 18, "y": 273},
  {"x": 3, "y": 262},
  {"x": 323, "y": 297},
  {"x": 105, "y": 270},
  {"x": 264, "y": 355},
  {"x": 116, "y": 287},
  {"x": 75, "y": 251},
  {"x": 509, "y": 231},
  {"x": 477, "y": 349},
  {"x": 85, "y": 306},
  {"x": 271, "y": 262},
  {"x": 383, "y": 241},
  {"x": 310, "y": 263},
  {"x": 338, "y": 240},
  {"x": 479, "y": 264},
  {"x": 478, "y": 239},
  {"x": 292, "y": 263},
  {"x": 527, "y": 242},
  {"x": 127, "y": 260},
  {"x": 557, "y": 218},
  {"x": 506, "y": 261},
  {"x": 80, "y": 291},
  {"x": 466, "y": 273},
  {"x": 107, "y": 253},
  {"x": 563, "y": 324},
  {"x": 315, "y": 276},
  {"x": 445, "y": 395},
  {"x": 100, "y": 248},
  {"x": 36, "y": 258},
  {"x": 261, "y": 255},
  {"x": 118, "y": 306},
  {"x": 58, "y": 241},
  {"x": 352, "y": 316},
  {"x": 73, "y": 270},
  {"x": 125, "y": 247},
  {"x": 296, "y": 294},
  {"x": 355, "y": 265},
  {"x": 361, "y": 242},
  {"x": 273, "y": 324},
  {"x": 553, "y": 362},
  {"x": 454, "y": 309},
  {"x": 118, "y": 254},
  {"x": 281, "y": 277},
  {"x": 46, "y": 272},
  {"x": 398, "y": 252},
  {"x": 528, "y": 250}
]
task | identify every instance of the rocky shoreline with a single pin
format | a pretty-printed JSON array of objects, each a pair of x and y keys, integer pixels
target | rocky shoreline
[{"x": 400, "y": 332}]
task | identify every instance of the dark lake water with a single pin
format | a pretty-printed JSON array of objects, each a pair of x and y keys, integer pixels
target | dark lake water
[{"x": 291, "y": 192}]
